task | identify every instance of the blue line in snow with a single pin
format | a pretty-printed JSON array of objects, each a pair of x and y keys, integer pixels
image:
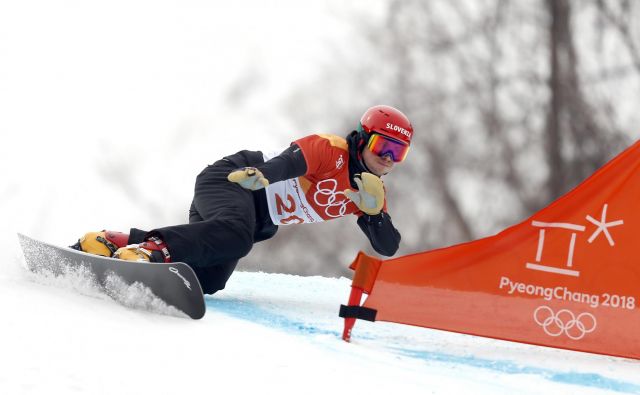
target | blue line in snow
[
  {"x": 255, "y": 313},
  {"x": 575, "y": 378}
]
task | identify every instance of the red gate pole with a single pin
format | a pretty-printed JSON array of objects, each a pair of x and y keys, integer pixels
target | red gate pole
[
  {"x": 354, "y": 300},
  {"x": 366, "y": 270}
]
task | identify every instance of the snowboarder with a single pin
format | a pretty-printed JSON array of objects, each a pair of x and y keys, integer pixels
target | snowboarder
[{"x": 243, "y": 198}]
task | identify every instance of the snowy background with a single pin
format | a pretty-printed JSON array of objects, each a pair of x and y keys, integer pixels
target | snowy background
[{"x": 108, "y": 110}]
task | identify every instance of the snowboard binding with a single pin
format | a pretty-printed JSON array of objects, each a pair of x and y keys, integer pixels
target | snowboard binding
[{"x": 112, "y": 244}]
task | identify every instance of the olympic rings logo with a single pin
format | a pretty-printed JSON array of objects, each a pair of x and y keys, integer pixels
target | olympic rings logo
[
  {"x": 564, "y": 321},
  {"x": 330, "y": 195}
]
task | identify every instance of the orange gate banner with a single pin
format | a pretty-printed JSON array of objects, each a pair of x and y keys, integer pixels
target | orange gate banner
[{"x": 568, "y": 277}]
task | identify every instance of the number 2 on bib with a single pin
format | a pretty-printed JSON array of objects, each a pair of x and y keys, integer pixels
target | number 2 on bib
[{"x": 290, "y": 208}]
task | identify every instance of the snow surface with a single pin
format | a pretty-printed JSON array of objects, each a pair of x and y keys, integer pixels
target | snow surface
[{"x": 266, "y": 333}]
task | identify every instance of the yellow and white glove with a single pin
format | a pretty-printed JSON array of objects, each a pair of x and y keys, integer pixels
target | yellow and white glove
[
  {"x": 370, "y": 194},
  {"x": 248, "y": 178}
]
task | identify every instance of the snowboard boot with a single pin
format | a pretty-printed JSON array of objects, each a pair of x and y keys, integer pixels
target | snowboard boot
[
  {"x": 151, "y": 250},
  {"x": 104, "y": 243}
]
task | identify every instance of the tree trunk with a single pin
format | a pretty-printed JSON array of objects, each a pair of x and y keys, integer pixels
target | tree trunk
[{"x": 558, "y": 34}]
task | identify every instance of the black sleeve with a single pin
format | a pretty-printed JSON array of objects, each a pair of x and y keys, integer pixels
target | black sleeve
[
  {"x": 384, "y": 237},
  {"x": 289, "y": 164}
]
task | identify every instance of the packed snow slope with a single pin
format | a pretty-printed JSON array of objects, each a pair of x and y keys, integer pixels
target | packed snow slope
[{"x": 266, "y": 333}]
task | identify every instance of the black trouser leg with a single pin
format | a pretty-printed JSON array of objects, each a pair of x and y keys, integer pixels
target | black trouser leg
[{"x": 222, "y": 223}]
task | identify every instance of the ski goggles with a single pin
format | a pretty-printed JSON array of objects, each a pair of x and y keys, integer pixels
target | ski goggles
[{"x": 383, "y": 146}]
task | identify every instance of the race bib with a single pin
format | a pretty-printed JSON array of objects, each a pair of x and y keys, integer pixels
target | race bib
[{"x": 288, "y": 204}]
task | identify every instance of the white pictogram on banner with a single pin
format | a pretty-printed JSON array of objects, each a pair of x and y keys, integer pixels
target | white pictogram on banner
[
  {"x": 541, "y": 237},
  {"x": 603, "y": 226},
  {"x": 575, "y": 229},
  {"x": 564, "y": 321},
  {"x": 330, "y": 197}
]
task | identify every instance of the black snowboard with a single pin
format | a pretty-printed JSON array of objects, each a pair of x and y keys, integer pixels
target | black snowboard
[{"x": 174, "y": 283}]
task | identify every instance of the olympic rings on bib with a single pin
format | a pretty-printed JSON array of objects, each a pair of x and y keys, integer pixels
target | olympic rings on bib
[{"x": 329, "y": 195}]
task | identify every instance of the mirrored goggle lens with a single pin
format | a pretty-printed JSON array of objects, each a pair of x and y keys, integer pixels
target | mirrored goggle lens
[{"x": 382, "y": 146}]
